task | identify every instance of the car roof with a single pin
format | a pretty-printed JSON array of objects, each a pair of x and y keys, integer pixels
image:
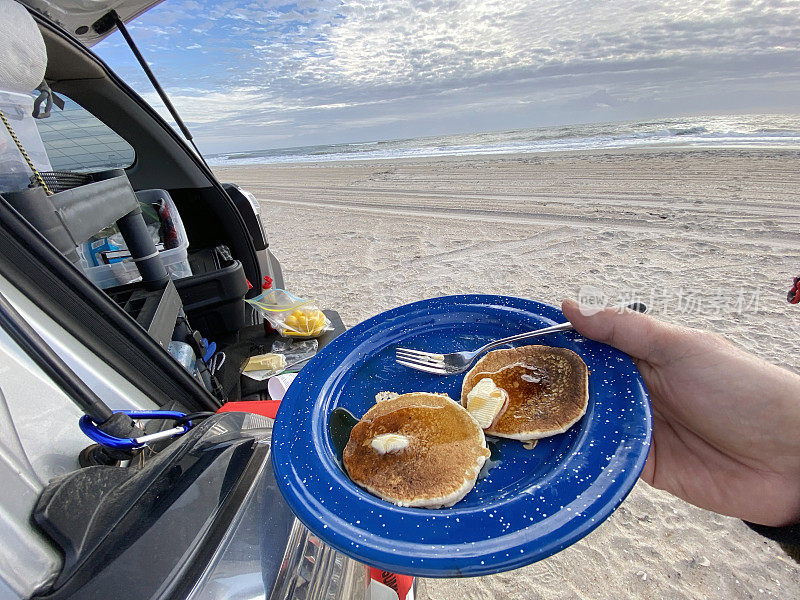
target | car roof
[{"x": 78, "y": 16}]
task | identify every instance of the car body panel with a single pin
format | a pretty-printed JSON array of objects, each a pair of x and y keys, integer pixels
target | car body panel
[
  {"x": 40, "y": 440},
  {"x": 28, "y": 559},
  {"x": 114, "y": 389}
]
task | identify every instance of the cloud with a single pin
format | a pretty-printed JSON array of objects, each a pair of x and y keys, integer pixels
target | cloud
[{"x": 354, "y": 65}]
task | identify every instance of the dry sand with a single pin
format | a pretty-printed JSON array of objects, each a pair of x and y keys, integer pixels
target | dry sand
[{"x": 708, "y": 238}]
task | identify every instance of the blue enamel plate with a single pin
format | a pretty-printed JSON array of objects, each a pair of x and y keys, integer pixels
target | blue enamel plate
[{"x": 531, "y": 504}]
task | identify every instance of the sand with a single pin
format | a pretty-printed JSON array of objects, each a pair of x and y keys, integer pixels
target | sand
[{"x": 708, "y": 238}]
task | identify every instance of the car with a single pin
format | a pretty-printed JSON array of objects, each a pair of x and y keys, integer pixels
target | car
[{"x": 124, "y": 269}]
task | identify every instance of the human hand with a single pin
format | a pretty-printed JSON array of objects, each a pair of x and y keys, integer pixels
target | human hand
[{"x": 726, "y": 424}]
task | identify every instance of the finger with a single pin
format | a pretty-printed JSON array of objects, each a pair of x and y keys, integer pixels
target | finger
[{"x": 639, "y": 335}]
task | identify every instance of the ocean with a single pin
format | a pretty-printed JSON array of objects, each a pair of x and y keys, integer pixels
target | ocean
[{"x": 736, "y": 131}]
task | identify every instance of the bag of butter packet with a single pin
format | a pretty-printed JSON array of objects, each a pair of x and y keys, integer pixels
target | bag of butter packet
[
  {"x": 290, "y": 316},
  {"x": 264, "y": 366}
]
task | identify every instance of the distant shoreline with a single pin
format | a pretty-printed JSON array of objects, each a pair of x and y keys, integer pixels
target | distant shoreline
[
  {"x": 745, "y": 132},
  {"x": 653, "y": 150}
]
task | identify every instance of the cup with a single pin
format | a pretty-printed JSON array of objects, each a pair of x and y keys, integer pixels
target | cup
[{"x": 277, "y": 386}]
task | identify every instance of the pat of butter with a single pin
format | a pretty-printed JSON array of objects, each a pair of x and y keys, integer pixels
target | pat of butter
[
  {"x": 485, "y": 401},
  {"x": 389, "y": 442},
  {"x": 266, "y": 362}
]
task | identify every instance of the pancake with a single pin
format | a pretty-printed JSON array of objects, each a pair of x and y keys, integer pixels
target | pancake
[
  {"x": 438, "y": 465},
  {"x": 548, "y": 390}
]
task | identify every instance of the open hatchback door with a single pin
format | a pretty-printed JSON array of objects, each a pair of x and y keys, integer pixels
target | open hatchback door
[{"x": 84, "y": 18}]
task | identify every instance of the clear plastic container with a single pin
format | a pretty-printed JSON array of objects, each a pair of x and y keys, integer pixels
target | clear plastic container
[
  {"x": 176, "y": 260},
  {"x": 15, "y": 174}
]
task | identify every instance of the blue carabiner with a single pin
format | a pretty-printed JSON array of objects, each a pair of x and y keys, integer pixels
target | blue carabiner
[{"x": 89, "y": 427}]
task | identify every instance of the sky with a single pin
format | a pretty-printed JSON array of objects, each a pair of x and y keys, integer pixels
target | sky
[{"x": 270, "y": 74}]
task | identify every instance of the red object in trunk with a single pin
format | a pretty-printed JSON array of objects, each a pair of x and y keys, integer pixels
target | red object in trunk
[
  {"x": 399, "y": 584},
  {"x": 265, "y": 408}
]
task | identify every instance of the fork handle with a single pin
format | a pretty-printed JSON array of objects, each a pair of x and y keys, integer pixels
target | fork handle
[
  {"x": 637, "y": 306},
  {"x": 528, "y": 334}
]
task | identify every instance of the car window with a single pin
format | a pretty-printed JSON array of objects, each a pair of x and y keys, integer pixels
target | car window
[{"x": 76, "y": 140}]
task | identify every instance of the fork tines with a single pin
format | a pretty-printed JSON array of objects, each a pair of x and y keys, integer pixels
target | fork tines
[{"x": 422, "y": 361}]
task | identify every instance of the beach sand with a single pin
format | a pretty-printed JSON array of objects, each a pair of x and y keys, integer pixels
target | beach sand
[{"x": 709, "y": 238}]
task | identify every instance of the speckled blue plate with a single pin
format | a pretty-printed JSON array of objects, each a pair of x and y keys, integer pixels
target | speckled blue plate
[{"x": 531, "y": 504}]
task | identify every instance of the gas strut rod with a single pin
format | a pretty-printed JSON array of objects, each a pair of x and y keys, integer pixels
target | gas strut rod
[
  {"x": 111, "y": 19},
  {"x": 114, "y": 17},
  {"x": 117, "y": 424}
]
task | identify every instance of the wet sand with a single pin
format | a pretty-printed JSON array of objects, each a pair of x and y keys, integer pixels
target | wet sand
[{"x": 709, "y": 238}]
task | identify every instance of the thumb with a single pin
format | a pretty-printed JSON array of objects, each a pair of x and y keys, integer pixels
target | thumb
[{"x": 639, "y": 335}]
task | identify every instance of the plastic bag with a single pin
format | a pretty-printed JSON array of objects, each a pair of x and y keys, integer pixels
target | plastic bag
[
  {"x": 291, "y": 354},
  {"x": 290, "y": 316},
  {"x": 295, "y": 351}
]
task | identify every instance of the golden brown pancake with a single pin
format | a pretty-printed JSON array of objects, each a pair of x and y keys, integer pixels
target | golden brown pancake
[
  {"x": 548, "y": 389},
  {"x": 445, "y": 453}
]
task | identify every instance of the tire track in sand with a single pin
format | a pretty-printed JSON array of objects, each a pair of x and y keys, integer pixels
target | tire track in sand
[{"x": 786, "y": 240}]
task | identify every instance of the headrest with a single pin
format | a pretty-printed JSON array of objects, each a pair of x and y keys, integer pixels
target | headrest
[{"x": 23, "y": 58}]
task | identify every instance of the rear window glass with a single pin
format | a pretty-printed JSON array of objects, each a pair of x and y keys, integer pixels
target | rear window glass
[{"x": 76, "y": 140}]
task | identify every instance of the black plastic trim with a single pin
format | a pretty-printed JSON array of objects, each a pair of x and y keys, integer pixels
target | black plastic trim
[
  {"x": 216, "y": 533},
  {"x": 150, "y": 532},
  {"x": 254, "y": 225}
]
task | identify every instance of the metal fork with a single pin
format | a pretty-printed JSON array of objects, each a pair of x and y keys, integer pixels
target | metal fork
[{"x": 458, "y": 362}]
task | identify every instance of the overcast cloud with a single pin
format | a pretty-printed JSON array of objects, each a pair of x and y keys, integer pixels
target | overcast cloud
[{"x": 252, "y": 75}]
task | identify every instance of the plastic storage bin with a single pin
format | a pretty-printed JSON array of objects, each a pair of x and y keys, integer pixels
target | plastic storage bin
[
  {"x": 15, "y": 174},
  {"x": 176, "y": 260}
]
